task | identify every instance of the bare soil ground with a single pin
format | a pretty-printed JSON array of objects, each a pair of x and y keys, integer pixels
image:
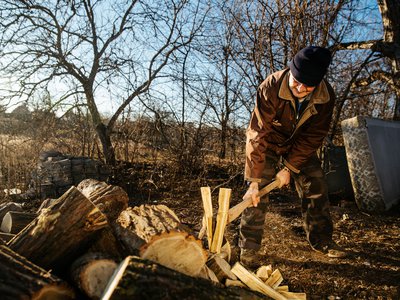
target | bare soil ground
[{"x": 372, "y": 271}]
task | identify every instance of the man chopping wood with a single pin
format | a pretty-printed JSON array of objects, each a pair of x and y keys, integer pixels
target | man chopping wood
[{"x": 290, "y": 120}]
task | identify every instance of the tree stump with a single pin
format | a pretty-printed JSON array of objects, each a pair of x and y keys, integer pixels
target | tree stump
[
  {"x": 61, "y": 232},
  {"x": 136, "y": 278},
  {"x": 14, "y": 221},
  {"x": 21, "y": 279},
  {"x": 91, "y": 273},
  {"x": 155, "y": 232}
]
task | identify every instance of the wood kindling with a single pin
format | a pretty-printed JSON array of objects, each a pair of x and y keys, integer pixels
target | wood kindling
[
  {"x": 275, "y": 279},
  {"x": 208, "y": 212},
  {"x": 255, "y": 283},
  {"x": 222, "y": 217}
]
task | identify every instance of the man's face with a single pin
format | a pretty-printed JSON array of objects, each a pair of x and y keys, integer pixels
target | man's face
[{"x": 299, "y": 89}]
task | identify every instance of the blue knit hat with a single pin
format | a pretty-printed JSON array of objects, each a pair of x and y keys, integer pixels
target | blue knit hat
[{"x": 310, "y": 64}]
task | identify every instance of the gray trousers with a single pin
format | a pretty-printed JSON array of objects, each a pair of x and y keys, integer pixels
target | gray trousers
[{"x": 313, "y": 191}]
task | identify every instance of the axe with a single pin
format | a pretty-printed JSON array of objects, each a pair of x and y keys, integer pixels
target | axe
[{"x": 235, "y": 211}]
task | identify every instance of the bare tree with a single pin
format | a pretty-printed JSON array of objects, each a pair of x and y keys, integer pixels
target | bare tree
[
  {"x": 387, "y": 47},
  {"x": 102, "y": 49}
]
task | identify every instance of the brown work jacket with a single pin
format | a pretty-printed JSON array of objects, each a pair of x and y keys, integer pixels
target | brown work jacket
[{"x": 274, "y": 125}]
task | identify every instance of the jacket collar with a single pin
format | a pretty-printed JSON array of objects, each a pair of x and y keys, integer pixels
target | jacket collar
[{"x": 319, "y": 96}]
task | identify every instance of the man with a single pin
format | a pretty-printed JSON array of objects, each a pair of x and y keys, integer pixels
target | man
[{"x": 289, "y": 123}]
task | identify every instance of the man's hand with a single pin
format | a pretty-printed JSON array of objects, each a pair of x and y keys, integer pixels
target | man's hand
[
  {"x": 283, "y": 176},
  {"x": 252, "y": 192}
]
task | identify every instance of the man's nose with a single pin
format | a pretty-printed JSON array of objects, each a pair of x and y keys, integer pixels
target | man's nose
[{"x": 301, "y": 87}]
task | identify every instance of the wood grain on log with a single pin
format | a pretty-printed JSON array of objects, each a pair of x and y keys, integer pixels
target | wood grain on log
[
  {"x": 222, "y": 217},
  {"x": 61, "y": 232},
  {"x": 110, "y": 199},
  {"x": 141, "y": 279},
  {"x": 21, "y": 279},
  {"x": 156, "y": 233},
  {"x": 136, "y": 226},
  {"x": 91, "y": 273},
  {"x": 176, "y": 250}
]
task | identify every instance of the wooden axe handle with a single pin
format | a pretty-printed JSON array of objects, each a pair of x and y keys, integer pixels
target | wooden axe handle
[{"x": 235, "y": 211}]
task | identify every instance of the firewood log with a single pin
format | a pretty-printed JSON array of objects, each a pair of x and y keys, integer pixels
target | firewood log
[
  {"x": 110, "y": 199},
  {"x": 21, "y": 279},
  {"x": 61, "y": 232},
  {"x": 155, "y": 232},
  {"x": 91, "y": 273},
  {"x": 136, "y": 278},
  {"x": 14, "y": 221},
  {"x": 9, "y": 206},
  {"x": 221, "y": 268}
]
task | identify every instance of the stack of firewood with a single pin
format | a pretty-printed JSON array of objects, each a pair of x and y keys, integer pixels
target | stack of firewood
[
  {"x": 266, "y": 280},
  {"x": 90, "y": 244}
]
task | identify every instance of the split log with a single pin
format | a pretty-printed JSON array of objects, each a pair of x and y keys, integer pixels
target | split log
[
  {"x": 60, "y": 233},
  {"x": 222, "y": 217},
  {"x": 141, "y": 279},
  {"x": 294, "y": 296},
  {"x": 110, "y": 199},
  {"x": 91, "y": 273},
  {"x": 264, "y": 272},
  {"x": 255, "y": 283},
  {"x": 220, "y": 268},
  {"x": 208, "y": 213},
  {"x": 275, "y": 279},
  {"x": 14, "y": 221},
  {"x": 21, "y": 279},
  {"x": 155, "y": 232},
  {"x": 226, "y": 251},
  {"x": 238, "y": 283}
]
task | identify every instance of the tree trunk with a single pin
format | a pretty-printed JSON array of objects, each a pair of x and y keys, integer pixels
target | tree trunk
[
  {"x": 61, "y": 232},
  {"x": 155, "y": 232},
  {"x": 21, "y": 279},
  {"x": 103, "y": 133},
  {"x": 91, "y": 273},
  {"x": 390, "y": 11},
  {"x": 141, "y": 279}
]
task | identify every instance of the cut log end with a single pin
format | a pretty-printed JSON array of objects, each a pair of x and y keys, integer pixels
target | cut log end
[
  {"x": 176, "y": 250},
  {"x": 96, "y": 276}
]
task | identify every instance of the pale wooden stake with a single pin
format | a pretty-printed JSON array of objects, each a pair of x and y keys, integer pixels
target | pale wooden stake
[
  {"x": 222, "y": 217},
  {"x": 238, "y": 283},
  {"x": 264, "y": 272},
  {"x": 294, "y": 296},
  {"x": 208, "y": 212},
  {"x": 255, "y": 283},
  {"x": 275, "y": 279},
  {"x": 282, "y": 288}
]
